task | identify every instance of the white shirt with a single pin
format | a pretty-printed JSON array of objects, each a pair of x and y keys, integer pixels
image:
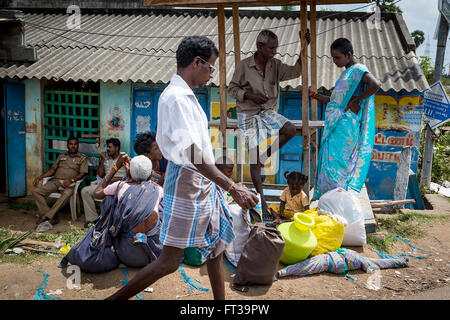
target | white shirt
[{"x": 182, "y": 123}]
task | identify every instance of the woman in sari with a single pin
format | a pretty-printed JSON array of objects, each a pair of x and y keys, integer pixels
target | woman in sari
[{"x": 348, "y": 137}]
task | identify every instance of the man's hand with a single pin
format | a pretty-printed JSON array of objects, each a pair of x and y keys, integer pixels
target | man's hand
[
  {"x": 124, "y": 160},
  {"x": 244, "y": 197},
  {"x": 353, "y": 105},
  {"x": 67, "y": 183},
  {"x": 256, "y": 98},
  {"x": 102, "y": 156},
  {"x": 36, "y": 181},
  {"x": 307, "y": 36}
]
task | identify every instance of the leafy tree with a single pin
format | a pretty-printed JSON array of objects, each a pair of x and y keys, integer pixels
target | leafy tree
[
  {"x": 418, "y": 36},
  {"x": 388, "y": 6},
  {"x": 427, "y": 68},
  {"x": 287, "y": 8}
]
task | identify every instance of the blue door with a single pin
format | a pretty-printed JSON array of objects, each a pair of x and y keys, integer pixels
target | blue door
[
  {"x": 291, "y": 155},
  {"x": 14, "y": 96},
  {"x": 145, "y": 110}
]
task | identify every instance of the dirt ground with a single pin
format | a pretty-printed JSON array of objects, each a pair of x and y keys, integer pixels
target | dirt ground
[{"x": 20, "y": 281}]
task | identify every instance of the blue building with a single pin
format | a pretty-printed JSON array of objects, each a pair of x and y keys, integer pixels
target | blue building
[{"x": 104, "y": 80}]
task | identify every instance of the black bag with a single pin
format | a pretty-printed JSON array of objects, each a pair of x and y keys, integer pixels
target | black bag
[
  {"x": 262, "y": 252},
  {"x": 93, "y": 254}
]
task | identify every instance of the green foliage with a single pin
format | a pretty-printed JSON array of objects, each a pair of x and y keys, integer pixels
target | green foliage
[
  {"x": 379, "y": 244},
  {"x": 427, "y": 68},
  {"x": 409, "y": 225},
  {"x": 418, "y": 37},
  {"x": 441, "y": 160},
  {"x": 388, "y": 6},
  {"x": 406, "y": 225},
  {"x": 12, "y": 242},
  {"x": 69, "y": 238}
]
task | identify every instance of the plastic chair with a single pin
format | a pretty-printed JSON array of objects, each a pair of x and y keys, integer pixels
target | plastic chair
[{"x": 74, "y": 199}]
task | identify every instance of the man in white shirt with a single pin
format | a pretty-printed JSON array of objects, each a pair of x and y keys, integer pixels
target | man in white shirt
[{"x": 195, "y": 213}]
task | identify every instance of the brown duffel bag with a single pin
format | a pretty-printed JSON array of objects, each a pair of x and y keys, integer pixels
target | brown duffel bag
[{"x": 259, "y": 260}]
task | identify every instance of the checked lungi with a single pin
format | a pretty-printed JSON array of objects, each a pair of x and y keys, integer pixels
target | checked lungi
[
  {"x": 195, "y": 212},
  {"x": 258, "y": 128}
]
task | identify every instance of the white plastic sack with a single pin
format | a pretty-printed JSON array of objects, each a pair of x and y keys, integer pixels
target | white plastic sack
[
  {"x": 241, "y": 231},
  {"x": 347, "y": 205}
]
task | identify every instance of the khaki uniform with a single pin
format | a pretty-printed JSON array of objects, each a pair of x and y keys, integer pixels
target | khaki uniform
[
  {"x": 66, "y": 167},
  {"x": 87, "y": 193}
]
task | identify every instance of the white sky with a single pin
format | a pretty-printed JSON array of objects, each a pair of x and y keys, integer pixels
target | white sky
[{"x": 418, "y": 14}]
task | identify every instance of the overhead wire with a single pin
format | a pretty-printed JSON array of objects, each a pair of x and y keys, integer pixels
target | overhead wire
[
  {"x": 183, "y": 36},
  {"x": 230, "y": 53}
]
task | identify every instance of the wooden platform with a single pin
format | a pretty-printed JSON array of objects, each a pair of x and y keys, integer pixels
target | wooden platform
[
  {"x": 313, "y": 125},
  {"x": 272, "y": 193}
]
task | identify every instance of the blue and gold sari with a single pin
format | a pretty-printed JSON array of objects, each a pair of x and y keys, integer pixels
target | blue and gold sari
[{"x": 347, "y": 141}]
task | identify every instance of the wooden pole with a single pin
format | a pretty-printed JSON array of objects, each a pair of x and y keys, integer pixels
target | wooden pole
[
  {"x": 427, "y": 162},
  {"x": 314, "y": 136},
  {"x": 237, "y": 59},
  {"x": 223, "y": 75},
  {"x": 236, "y": 34},
  {"x": 305, "y": 96}
]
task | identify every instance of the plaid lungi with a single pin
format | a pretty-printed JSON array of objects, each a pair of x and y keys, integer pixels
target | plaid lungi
[
  {"x": 257, "y": 128},
  {"x": 195, "y": 213}
]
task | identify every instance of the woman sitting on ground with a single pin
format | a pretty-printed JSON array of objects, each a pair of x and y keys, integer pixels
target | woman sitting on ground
[{"x": 136, "y": 220}]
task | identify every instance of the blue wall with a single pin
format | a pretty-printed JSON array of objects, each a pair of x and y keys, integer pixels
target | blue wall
[{"x": 397, "y": 126}]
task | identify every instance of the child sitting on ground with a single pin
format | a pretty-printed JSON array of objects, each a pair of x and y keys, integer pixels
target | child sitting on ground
[{"x": 293, "y": 199}]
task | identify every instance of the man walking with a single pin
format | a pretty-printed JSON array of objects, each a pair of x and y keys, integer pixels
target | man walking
[
  {"x": 195, "y": 213},
  {"x": 68, "y": 168},
  {"x": 256, "y": 87},
  {"x": 107, "y": 162}
]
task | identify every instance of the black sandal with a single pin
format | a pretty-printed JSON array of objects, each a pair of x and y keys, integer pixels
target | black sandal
[{"x": 54, "y": 220}]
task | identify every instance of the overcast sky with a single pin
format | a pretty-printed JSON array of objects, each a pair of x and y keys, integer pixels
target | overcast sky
[{"x": 418, "y": 14}]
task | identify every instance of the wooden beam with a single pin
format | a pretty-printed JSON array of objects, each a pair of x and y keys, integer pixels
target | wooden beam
[
  {"x": 390, "y": 203},
  {"x": 236, "y": 35},
  {"x": 314, "y": 136},
  {"x": 223, "y": 74},
  {"x": 305, "y": 96},
  {"x": 237, "y": 59}
]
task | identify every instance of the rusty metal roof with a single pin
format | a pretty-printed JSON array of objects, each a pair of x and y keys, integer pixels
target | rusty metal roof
[{"x": 142, "y": 47}]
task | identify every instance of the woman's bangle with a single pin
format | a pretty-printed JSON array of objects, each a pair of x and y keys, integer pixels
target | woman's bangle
[
  {"x": 115, "y": 167},
  {"x": 231, "y": 187},
  {"x": 314, "y": 95}
]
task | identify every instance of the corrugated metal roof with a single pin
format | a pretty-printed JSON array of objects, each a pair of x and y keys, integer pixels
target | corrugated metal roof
[{"x": 142, "y": 47}]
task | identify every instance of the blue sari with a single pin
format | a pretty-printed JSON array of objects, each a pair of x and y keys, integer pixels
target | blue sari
[{"x": 347, "y": 140}]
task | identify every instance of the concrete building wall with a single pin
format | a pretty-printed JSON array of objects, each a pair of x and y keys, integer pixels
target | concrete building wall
[
  {"x": 115, "y": 113},
  {"x": 34, "y": 128}
]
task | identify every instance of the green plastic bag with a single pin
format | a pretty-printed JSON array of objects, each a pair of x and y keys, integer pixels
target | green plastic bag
[{"x": 193, "y": 257}]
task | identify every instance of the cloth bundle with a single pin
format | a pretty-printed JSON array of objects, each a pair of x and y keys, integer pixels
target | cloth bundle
[{"x": 339, "y": 262}]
